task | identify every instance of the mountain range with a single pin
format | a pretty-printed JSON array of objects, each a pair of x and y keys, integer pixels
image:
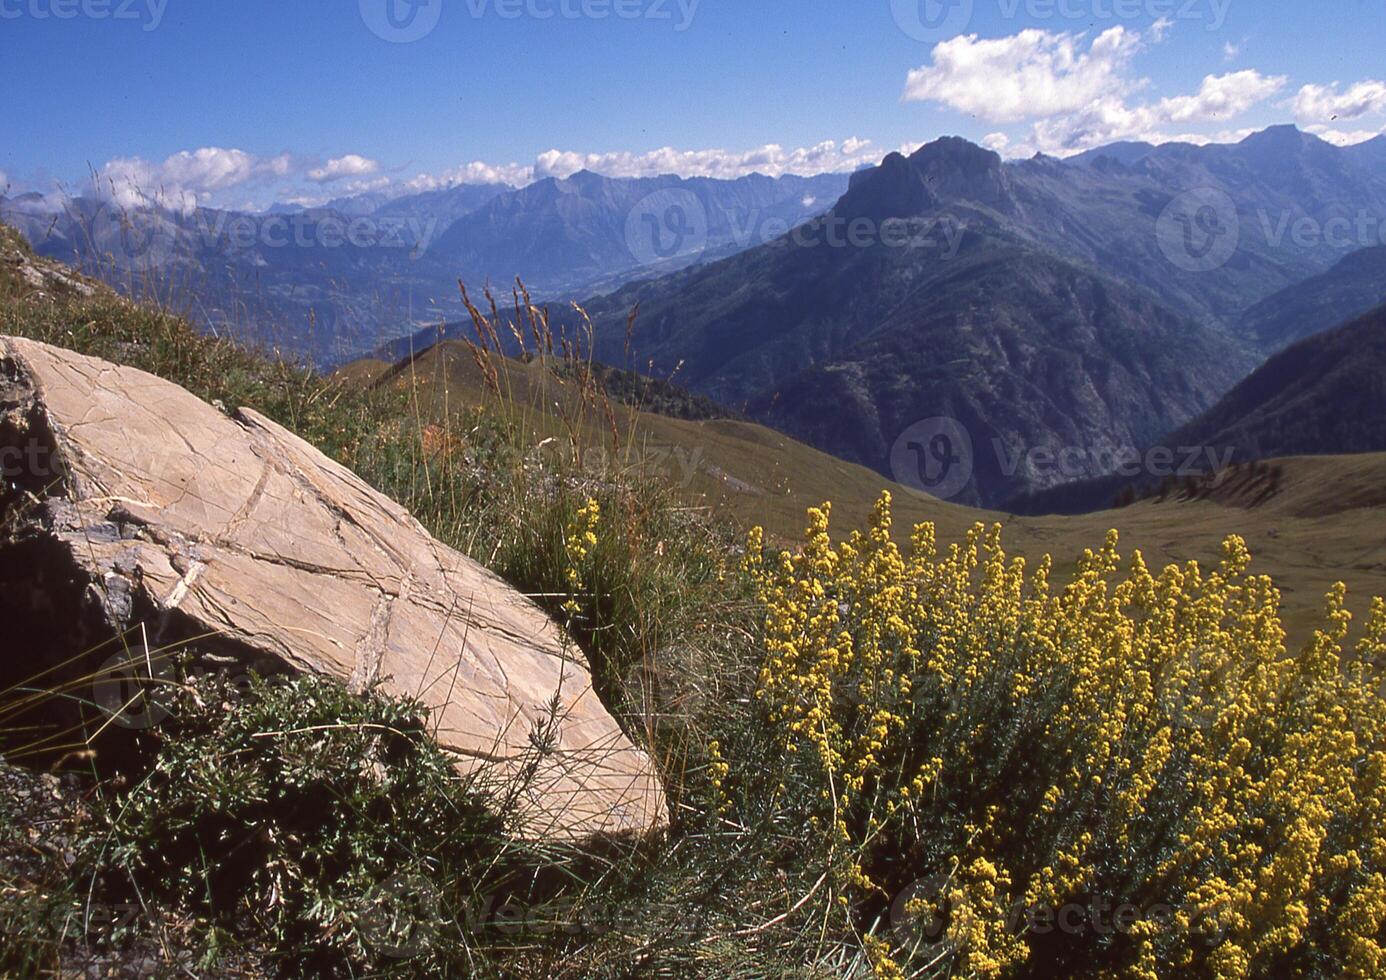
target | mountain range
[
  {"x": 1325, "y": 395},
  {"x": 1322, "y": 396},
  {"x": 1354, "y": 286},
  {"x": 1047, "y": 316},
  {"x": 330, "y": 283},
  {"x": 987, "y": 331},
  {"x": 589, "y": 232}
]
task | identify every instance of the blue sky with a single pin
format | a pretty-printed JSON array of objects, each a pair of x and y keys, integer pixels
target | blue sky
[{"x": 241, "y": 103}]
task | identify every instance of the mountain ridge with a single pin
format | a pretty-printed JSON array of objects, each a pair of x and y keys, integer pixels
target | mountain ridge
[{"x": 1324, "y": 395}]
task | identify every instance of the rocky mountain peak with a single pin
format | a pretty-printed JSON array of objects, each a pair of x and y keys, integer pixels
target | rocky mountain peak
[{"x": 946, "y": 170}]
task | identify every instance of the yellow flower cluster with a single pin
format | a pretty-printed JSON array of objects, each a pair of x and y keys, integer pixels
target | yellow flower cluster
[
  {"x": 579, "y": 538},
  {"x": 1143, "y": 738},
  {"x": 717, "y": 771}
]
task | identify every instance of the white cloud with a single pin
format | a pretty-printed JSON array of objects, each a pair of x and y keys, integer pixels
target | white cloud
[
  {"x": 4, "y": 182},
  {"x": 1077, "y": 94},
  {"x": 183, "y": 180},
  {"x": 279, "y": 166},
  {"x": 475, "y": 172},
  {"x": 1340, "y": 137},
  {"x": 829, "y": 156},
  {"x": 1325, "y": 103},
  {"x": 1231, "y": 52},
  {"x": 1031, "y": 74},
  {"x": 772, "y": 160},
  {"x": 1220, "y": 96},
  {"x": 364, "y": 186},
  {"x": 209, "y": 176},
  {"x": 351, "y": 165},
  {"x": 209, "y": 168}
]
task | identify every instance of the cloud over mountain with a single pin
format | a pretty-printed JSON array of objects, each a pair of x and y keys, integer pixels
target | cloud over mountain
[
  {"x": 201, "y": 177},
  {"x": 1326, "y": 103},
  {"x": 1033, "y": 73},
  {"x": 351, "y": 165},
  {"x": 185, "y": 179},
  {"x": 1077, "y": 93}
]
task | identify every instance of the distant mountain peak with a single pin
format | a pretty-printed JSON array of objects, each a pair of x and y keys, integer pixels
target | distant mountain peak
[
  {"x": 1283, "y": 138},
  {"x": 585, "y": 178},
  {"x": 955, "y": 155},
  {"x": 956, "y": 169},
  {"x": 894, "y": 189},
  {"x": 1123, "y": 153},
  {"x": 1279, "y": 130},
  {"x": 948, "y": 169}
]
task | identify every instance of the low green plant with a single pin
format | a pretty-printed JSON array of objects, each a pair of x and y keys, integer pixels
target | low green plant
[
  {"x": 329, "y": 824},
  {"x": 33, "y": 897}
]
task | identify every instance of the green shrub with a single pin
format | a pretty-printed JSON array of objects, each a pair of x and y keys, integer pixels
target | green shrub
[{"x": 329, "y": 824}]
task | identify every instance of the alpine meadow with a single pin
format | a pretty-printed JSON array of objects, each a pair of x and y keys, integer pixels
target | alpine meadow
[{"x": 583, "y": 489}]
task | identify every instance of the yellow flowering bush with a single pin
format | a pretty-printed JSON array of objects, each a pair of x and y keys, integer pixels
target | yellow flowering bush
[
  {"x": 1127, "y": 776},
  {"x": 579, "y": 538}
]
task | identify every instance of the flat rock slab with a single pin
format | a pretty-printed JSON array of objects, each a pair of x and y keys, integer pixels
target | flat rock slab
[{"x": 196, "y": 524}]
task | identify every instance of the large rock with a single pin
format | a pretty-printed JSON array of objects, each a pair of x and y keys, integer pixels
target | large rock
[{"x": 167, "y": 515}]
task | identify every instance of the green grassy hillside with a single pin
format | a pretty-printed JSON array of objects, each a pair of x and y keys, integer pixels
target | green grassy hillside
[{"x": 1324, "y": 522}]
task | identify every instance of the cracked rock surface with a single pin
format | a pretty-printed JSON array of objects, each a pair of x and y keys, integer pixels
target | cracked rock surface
[{"x": 194, "y": 524}]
